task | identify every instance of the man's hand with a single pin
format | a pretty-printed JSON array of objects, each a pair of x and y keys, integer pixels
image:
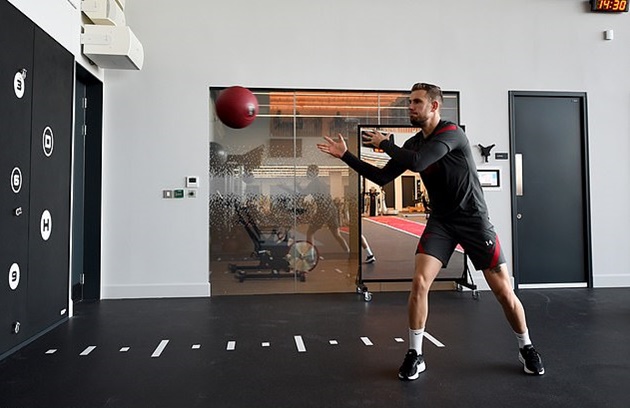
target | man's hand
[
  {"x": 334, "y": 148},
  {"x": 373, "y": 138}
]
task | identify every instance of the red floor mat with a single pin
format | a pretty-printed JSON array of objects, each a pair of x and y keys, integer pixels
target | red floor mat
[
  {"x": 410, "y": 227},
  {"x": 402, "y": 224}
]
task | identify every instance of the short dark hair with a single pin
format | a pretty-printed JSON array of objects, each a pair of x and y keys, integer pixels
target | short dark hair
[
  {"x": 433, "y": 91},
  {"x": 312, "y": 170}
]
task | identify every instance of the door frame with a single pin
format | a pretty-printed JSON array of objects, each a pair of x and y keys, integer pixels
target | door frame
[
  {"x": 404, "y": 191},
  {"x": 586, "y": 216},
  {"x": 92, "y": 189}
]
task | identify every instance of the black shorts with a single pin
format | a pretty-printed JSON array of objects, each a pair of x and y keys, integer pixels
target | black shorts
[{"x": 475, "y": 234}]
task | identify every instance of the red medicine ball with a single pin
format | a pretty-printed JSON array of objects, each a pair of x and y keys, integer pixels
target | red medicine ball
[{"x": 237, "y": 107}]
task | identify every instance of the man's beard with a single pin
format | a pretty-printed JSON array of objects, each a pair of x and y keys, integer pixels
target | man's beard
[{"x": 417, "y": 122}]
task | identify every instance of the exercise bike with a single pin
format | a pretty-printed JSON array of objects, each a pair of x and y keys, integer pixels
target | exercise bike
[{"x": 275, "y": 250}]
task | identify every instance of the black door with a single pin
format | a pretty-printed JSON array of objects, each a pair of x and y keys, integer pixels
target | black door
[
  {"x": 89, "y": 133},
  {"x": 389, "y": 194},
  {"x": 408, "y": 191},
  {"x": 78, "y": 182},
  {"x": 550, "y": 188},
  {"x": 49, "y": 221}
]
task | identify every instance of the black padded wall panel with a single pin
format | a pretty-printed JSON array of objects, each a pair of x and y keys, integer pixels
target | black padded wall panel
[
  {"x": 36, "y": 102},
  {"x": 51, "y": 140},
  {"x": 16, "y": 45}
]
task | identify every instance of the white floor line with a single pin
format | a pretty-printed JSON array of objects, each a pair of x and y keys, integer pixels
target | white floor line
[
  {"x": 87, "y": 351},
  {"x": 231, "y": 345},
  {"x": 433, "y": 340},
  {"x": 160, "y": 348},
  {"x": 299, "y": 343}
]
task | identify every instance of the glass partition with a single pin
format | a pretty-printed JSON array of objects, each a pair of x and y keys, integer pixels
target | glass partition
[{"x": 283, "y": 215}]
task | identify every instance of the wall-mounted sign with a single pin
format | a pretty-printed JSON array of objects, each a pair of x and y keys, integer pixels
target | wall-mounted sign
[
  {"x": 14, "y": 276},
  {"x": 19, "y": 83},
  {"x": 45, "y": 225},
  {"x": 48, "y": 141},
  {"x": 16, "y": 180}
]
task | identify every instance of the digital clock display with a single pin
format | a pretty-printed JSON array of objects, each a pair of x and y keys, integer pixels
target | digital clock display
[{"x": 615, "y": 6}]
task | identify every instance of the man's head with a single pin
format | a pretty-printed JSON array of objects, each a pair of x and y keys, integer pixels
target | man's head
[
  {"x": 433, "y": 91},
  {"x": 424, "y": 103},
  {"x": 312, "y": 170}
]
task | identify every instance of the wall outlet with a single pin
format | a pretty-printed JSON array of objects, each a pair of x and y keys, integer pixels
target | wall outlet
[{"x": 192, "y": 181}]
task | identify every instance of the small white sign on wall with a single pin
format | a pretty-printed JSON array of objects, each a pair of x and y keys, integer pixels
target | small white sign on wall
[
  {"x": 16, "y": 180},
  {"x": 19, "y": 83},
  {"x": 48, "y": 141},
  {"x": 46, "y": 225},
  {"x": 14, "y": 276}
]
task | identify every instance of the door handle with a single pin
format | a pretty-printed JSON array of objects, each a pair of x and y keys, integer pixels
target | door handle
[{"x": 518, "y": 167}]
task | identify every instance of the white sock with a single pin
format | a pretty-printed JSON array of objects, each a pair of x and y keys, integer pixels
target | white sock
[
  {"x": 415, "y": 340},
  {"x": 523, "y": 339}
]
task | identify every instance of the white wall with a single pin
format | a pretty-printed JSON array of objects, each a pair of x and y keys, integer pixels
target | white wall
[{"x": 157, "y": 120}]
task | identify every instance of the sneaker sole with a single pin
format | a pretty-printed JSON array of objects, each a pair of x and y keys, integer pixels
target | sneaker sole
[
  {"x": 527, "y": 370},
  {"x": 421, "y": 368}
]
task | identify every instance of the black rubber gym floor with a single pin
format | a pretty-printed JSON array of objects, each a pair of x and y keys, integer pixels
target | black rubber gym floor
[{"x": 332, "y": 350}]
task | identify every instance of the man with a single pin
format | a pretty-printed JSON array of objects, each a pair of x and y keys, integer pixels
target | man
[
  {"x": 441, "y": 153},
  {"x": 326, "y": 212}
]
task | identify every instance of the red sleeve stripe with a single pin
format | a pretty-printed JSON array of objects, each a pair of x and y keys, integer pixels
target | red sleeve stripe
[{"x": 445, "y": 129}]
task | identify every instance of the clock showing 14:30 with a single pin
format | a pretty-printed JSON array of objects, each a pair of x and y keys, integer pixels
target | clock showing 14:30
[{"x": 613, "y": 6}]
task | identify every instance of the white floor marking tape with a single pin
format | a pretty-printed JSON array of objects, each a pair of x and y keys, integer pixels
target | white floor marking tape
[
  {"x": 433, "y": 340},
  {"x": 299, "y": 343},
  {"x": 87, "y": 351},
  {"x": 231, "y": 345},
  {"x": 160, "y": 348}
]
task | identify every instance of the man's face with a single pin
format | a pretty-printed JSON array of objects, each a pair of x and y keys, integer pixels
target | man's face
[{"x": 421, "y": 108}]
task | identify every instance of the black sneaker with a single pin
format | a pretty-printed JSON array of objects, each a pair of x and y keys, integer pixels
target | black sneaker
[
  {"x": 370, "y": 259},
  {"x": 532, "y": 363},
  {"x": 412, "y": 366}
]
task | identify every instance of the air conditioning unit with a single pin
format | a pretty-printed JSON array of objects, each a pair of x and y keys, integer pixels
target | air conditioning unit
[
  {"x": 112, "y": 47},
  {"x": 121, "y": 3},
  {"x": 104, "y": 12}
]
